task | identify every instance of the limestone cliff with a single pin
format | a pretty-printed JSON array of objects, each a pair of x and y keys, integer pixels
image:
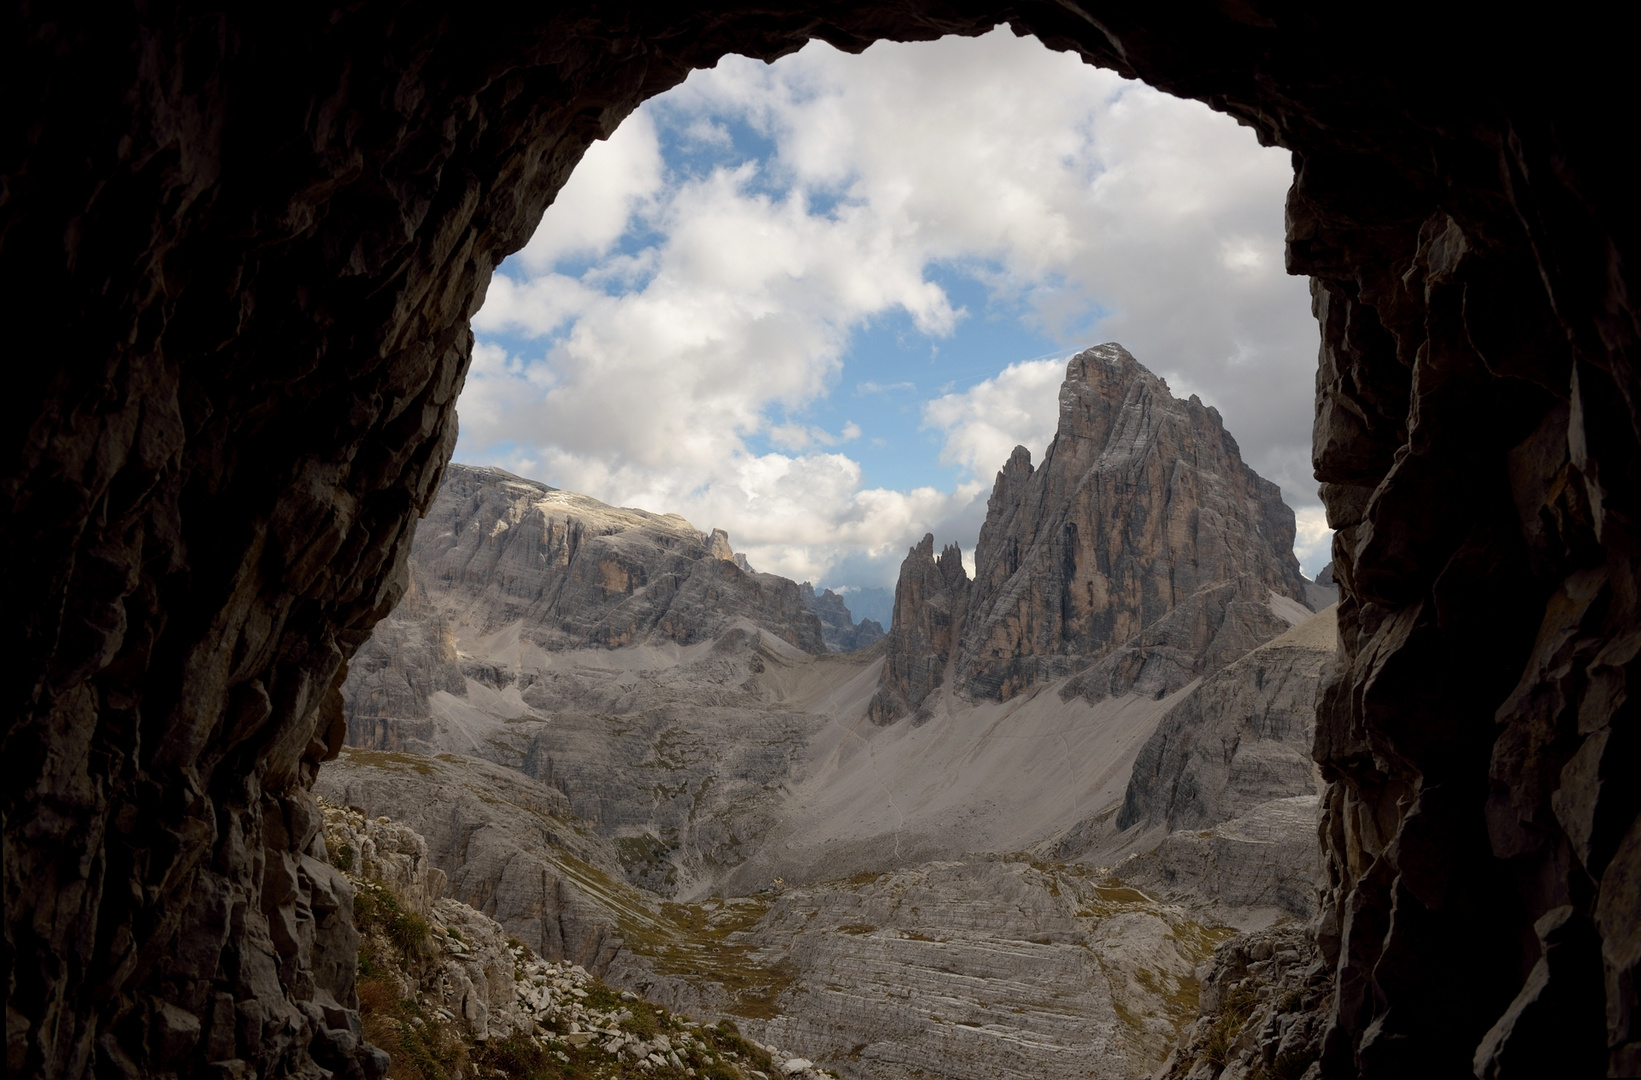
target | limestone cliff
[
  {"x": 1240, "y": 739},
  {"x": 1141, "y": 554},
  {"x": 930, "y": 599},
  {"x": 575, "y": 572}
]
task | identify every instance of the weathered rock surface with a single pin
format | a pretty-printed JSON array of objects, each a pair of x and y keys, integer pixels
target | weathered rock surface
[
  {"x": 838, "y": 627},
  {"x": 1141, "y": 555},
  {"x": 461, "y": 997},
  {"x": 1241, "y": 738},
  {"x": 931, "y": 596},
  {"x": 499, "y": 842},
  {"x": 211, "y": 480},
  {"x": 983, "y": 967},
  {"x": 677, "y": 754},
  {"x": 1142, "y": 545},
  {"x": 572, "y": 572},
  {"x": 620, "y": 657},
  {"x": 1263, "y": 995},
  {"x": 1265, "y": 858}
]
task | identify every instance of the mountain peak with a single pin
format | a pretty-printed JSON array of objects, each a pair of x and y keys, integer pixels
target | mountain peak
[{"x": 1140, "y": 554}]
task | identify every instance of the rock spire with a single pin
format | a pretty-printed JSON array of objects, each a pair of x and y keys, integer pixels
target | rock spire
[
  {"x": 1142, "y": 553},
  {"x": 930, "y": 599}
]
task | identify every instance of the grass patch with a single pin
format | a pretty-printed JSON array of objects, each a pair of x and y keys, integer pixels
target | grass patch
[
  {"x": 418, "y": 1042},
  {"x": 1233, "y": 1016},
  {"x": 694, "y": 940}
]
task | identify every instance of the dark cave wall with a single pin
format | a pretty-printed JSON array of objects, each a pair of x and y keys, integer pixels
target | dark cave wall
[{"x": 245, "y": 251}]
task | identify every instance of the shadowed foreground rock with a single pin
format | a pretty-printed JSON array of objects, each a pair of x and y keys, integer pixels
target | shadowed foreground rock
[{"x": 251, "y": 242}]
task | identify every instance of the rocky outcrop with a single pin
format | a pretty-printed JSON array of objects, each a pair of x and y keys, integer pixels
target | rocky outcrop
[
  {"x": 1262, "y": 993},
  {"x": 982, "y": 967},
  {"x": 1141, "y": 555},
  {"x": 978, "y": 967},
  {"x": 931, "y": 597},
  {"x": 679, "y": 755},
  {"x": 497, "y": 549},
  {"x": 1240, "y": 739},
  {"x": 211, "y": 477},
  {"x": 838, "y": 627},
  {"x": 450, "y": 992},
  {"x": 498, "y": 841},
  {"x": 1263, "y": 859}
]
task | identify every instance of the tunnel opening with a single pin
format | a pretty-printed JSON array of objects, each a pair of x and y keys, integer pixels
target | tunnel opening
[{"x": 255, "y": 345}]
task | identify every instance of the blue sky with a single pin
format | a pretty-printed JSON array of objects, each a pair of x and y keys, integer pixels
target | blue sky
[{"x": 817, "y": 302}]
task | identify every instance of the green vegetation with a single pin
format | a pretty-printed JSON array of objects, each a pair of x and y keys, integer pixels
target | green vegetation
[
  {"x": 341, "y": 856},
  {"x": 419, "y": 1043},
  {"x": 695, "y": 940}
]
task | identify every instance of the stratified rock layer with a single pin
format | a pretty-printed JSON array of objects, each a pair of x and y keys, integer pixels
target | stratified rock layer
[
  {"x": 256, "y": 235},
  {"x": 573, "y": 572},
  {"x": 1240, "y": 739}
]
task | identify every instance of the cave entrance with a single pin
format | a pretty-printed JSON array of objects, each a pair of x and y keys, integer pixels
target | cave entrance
[{"x": 258, "y": 235}]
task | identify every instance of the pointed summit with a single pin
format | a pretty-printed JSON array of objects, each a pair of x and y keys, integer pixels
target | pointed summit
[{"x": 1142, "y": 553}]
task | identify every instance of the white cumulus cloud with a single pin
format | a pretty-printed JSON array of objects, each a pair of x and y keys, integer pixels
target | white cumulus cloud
[{"x": 660, "y": 339}]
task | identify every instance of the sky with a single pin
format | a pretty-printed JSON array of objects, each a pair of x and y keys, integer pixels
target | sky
[{"x": 817, "y": 302}]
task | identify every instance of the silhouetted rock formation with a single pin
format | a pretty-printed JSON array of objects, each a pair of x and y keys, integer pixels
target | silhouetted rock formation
[
  {"x": 1142, "y": 554},
  {"x": 255, "y": 237},
  {"x": 838, "y": 627}
]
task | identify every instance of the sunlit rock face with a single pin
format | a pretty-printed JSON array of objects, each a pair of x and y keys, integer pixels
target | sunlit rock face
[
  {"x": 252, "y": 241},
  {"x": 572, "y": 572},
  {"x": 1141, "y": 554},
  {"x": 1142, "y": 544}
]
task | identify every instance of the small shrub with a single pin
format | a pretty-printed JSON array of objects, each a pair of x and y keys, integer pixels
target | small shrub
[
  {"x": 720, "y": 1070},
  {"x": 409, "y": 931},
  {"x": 726, "y": 1037},
  {"x": 517, "y": 1056},
  {"x": 377, "y": 994}
]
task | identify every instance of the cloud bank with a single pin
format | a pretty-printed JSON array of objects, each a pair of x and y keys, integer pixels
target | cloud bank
[{"x": 676, "y": 335}]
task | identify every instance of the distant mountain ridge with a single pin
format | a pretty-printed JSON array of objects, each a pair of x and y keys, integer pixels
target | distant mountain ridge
[
  {"x": 633, "y": 751},
  {"x": 838, "y": 627}
]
